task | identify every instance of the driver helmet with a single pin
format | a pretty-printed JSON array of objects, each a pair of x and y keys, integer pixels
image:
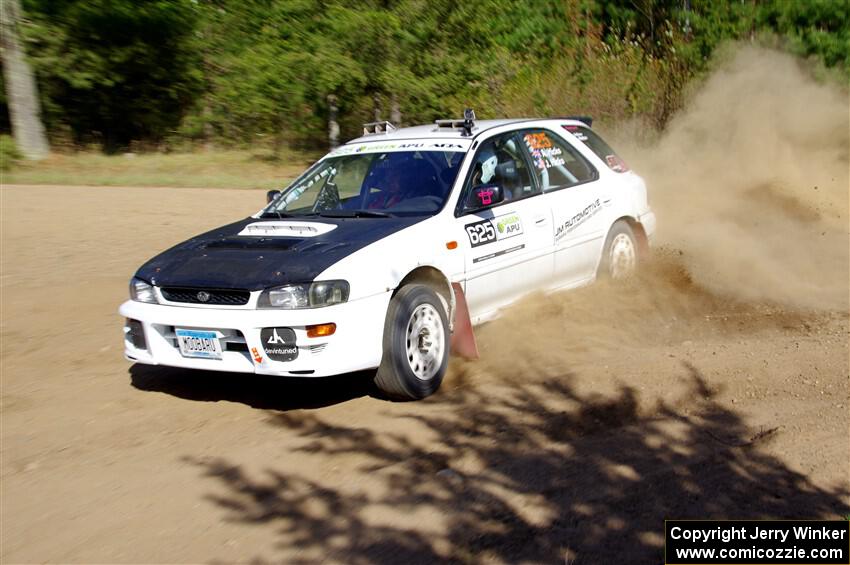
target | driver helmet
[{"x": 488, "y": 161}]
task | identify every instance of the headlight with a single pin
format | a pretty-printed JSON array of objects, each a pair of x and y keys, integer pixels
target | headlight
[
  {"x": 141, "y": 291},
  {"x": 307, "y": 295}
]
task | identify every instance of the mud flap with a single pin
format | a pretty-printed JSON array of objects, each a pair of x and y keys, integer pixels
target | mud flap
[{"x": 463, "y": 338}]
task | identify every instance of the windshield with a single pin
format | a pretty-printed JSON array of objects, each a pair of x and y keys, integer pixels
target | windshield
[{"x": 372, "y": 184}]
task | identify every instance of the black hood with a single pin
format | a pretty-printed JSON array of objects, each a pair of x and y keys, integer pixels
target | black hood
[{"x": 222, "y": 259}]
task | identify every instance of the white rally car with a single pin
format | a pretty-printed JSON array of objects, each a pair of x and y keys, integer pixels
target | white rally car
[{"x": 389, "y": 249}]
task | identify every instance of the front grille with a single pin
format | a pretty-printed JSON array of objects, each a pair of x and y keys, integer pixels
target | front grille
[{"x": 214, "y": 296}]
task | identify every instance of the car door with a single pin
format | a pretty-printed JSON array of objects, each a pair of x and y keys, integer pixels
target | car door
[
  {"x": 579, "y": 204},
  {"x": 507, "y": 245}
]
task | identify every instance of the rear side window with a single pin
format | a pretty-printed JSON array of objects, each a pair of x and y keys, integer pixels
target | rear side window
[
  {"x": 598, "y": 146},
  {"x": 556, "y": 163}
]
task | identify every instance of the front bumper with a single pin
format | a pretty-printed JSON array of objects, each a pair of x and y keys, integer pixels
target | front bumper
[{"x": 356, "y": 344}]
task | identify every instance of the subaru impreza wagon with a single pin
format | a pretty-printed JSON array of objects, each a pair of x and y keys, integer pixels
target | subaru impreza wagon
[{"x": 387, "y": 251}]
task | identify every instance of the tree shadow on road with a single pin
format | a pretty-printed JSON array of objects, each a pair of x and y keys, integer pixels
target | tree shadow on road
[
  {"x": 257, "y": 391},
  {"x": 542, "y": 474}
]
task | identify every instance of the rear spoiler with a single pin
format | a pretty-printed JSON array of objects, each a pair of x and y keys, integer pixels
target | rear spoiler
[{"x": 587, "y": 120}]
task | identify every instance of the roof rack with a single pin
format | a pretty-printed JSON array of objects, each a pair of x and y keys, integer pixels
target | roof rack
[
  {"x": 466, "y": 124},
  {"x": 375, "y": 128}
]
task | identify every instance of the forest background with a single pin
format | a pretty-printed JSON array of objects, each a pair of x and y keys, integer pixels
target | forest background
[{"x": 261, "y": 83}]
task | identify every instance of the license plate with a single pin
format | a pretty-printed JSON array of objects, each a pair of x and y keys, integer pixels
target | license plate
[{"x": 198, "y": 343}]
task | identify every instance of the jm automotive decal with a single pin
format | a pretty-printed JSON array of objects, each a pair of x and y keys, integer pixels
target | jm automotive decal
[
  {"x": 577, "y": 220},
  {"x": 493, "y": 229}
]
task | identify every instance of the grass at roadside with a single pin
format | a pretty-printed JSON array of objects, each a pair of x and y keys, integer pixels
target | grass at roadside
[{"x": 213, "y": 169}]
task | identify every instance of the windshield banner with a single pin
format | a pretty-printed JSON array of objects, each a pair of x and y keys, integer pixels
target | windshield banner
[{"x": 386, "y": 147}]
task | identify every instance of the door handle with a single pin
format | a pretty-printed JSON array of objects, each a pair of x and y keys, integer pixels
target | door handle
[{"x": 540, "y": 220}]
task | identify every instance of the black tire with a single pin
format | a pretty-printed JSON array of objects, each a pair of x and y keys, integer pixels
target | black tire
[
  {"x": 614, "y": 265},
  {"x": 397, "y": 374}
]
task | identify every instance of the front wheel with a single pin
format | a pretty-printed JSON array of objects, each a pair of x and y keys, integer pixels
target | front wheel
[
  {"x": 620, "y": 254},
  {"x": 416, "y": 344}
]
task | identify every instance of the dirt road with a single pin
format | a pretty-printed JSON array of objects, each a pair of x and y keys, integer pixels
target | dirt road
[{"x": 590, "y": 419}]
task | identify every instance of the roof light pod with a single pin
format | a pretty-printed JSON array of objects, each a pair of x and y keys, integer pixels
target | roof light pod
[{"x": 376, "y": 128}]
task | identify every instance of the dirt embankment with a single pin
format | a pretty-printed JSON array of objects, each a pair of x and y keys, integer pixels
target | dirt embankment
[{"x": 715, "y": 386}]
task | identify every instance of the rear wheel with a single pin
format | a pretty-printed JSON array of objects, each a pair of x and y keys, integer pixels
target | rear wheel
[
  {"x": 620, "y": 254},
  {"x": 416, "y": 344}
]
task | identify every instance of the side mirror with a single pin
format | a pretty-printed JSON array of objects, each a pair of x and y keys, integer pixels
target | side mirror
[
  {"x": 271, "y": 195},
  {"x": 483, "y": 196}
]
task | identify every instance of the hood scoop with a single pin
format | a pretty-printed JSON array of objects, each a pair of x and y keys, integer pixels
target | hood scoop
[{"x": 286, "y": 229}]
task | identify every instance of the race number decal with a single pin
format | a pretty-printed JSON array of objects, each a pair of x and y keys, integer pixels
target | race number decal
[
  {"x": 495, "y": 229},
  {"x": 481, "y": 233}
]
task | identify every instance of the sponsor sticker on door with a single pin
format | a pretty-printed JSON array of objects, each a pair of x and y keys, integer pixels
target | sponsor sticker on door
[
  {"x": 494, "y": 229},
  {"x": 576, "y": 220},
  {"x": 507, "y": 226}
]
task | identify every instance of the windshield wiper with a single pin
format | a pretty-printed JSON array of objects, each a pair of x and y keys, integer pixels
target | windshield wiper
[{"x": 354, "y": 214}]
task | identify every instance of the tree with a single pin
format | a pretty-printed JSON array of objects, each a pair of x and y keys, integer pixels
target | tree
[
  {"x": 115, "y": 71},
  {"x": 21, "y": 90}
]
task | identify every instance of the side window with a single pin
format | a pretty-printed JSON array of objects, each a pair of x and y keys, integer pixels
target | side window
[
  {"x": 556, "y": 163},
  {"x": 500, "y": 162},
  {"x": 598, "y": 146}
]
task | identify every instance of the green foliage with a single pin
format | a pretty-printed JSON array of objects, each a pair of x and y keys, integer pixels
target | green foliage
[
  {"x": 114, "y": 71},
  {"x": 246, "y": 72},
  {"x": 277, "y": 83},
  {"x": 9, "y": 154},
  {"x": 815, "y": 27}
]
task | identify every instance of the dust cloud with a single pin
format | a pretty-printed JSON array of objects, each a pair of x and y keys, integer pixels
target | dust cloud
[
  {"x": 750, "y": 183},
  {"x": 750, "y": 186}
]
